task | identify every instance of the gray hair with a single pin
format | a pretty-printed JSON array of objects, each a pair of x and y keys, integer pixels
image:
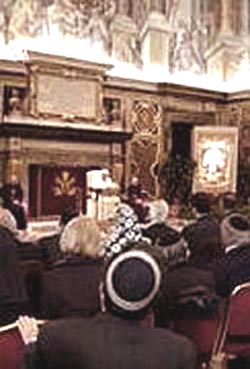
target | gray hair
[
  {"x": 158, "y": 211},
  {"x": 81, "y": 236}
]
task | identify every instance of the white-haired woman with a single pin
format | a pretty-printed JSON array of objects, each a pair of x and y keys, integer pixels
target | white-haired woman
[
  {"x": 70, "y": 288},
  {"x": 163, "y": 237}
]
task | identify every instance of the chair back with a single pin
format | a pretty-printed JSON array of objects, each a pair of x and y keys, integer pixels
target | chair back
[
  {"x": 201, "y": 331},
  {"x": 233, "y": 336},
  {"x": 11, "y": 348}
]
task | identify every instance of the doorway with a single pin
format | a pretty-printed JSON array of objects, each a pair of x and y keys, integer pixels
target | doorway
[{"x": 181, "y": 140}]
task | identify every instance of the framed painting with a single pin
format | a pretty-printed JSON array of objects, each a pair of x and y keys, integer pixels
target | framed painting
[{"x": 215, "y": 151}]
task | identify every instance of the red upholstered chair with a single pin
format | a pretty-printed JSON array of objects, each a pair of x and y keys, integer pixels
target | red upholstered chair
[
  {"x": 235, "y": 332},
  {"x": 11, "y": 347},
  {"x": 201, "y": 331},
  {"x": 233, "y": 335}
]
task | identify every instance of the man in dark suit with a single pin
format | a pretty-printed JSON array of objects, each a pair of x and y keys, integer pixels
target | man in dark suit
[
  {"x": 233, "y": 268},
  {"x": 115, "y": 339},
  {"x": 203, "y": 236}
]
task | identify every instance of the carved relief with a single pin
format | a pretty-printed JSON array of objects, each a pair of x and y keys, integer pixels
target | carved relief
[{"x": 146, "y": 117}]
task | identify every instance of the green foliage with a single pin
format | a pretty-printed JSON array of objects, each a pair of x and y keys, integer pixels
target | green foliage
[{"x": 176, "y": 178}]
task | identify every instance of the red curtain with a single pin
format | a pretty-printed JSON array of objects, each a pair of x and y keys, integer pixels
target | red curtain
[{"x": 54, "y": 188}]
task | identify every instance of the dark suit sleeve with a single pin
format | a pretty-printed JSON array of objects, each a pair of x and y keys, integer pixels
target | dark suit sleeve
[
  {"x": 36, "y": 353},
  {"x": 32, "y": 359},
  {"x": 222, "y": 280}
]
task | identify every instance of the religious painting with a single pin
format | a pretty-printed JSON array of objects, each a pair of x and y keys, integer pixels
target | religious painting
[{"x": 215, "y": 150}]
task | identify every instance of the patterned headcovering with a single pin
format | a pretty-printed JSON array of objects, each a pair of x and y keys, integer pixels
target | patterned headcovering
[
  {"x": 235, "y": 229},
  {"x": 124, "y": 233}
]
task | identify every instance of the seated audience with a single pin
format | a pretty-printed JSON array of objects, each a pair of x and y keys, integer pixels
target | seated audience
[
  {"x": 229, "y": 209},
  {"x": 234, "y": 267},
  {"x": 115, "y": 339},
  {"x": 229, "y": 202},
  {"x": 13, "y": 296},
  {"x": 70, "y": 288},
  {"x": 188, "y": 291},
  {"x": 203, "y": 236},
  {"x": 164, "y": 238}
]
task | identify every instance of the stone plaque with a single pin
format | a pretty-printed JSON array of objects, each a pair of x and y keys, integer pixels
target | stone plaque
[{"x": 69, "y": 97}]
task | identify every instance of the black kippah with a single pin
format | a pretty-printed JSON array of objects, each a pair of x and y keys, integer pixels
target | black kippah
[
  {"x": 133, "y": 280},
  {"x": 240, "y": 223}
]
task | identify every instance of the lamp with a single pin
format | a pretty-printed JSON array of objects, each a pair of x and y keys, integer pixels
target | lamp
[{"x": 96, "y": 184}]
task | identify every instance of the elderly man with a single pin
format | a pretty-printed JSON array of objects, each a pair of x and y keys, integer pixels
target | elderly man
[
  {"x": 115, "y": 339},
  {"x": 203, "y": 236},
  {"x": 233, "y": 268}
]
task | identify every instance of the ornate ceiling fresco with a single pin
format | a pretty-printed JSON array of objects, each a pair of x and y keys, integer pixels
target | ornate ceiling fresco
[{"x": 189, "y": 41}]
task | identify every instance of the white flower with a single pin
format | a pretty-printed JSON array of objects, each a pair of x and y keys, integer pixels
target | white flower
[
  {"x": 130, "y": 235},
  {"x": 137, "y": 237},
  {"x": 122, "y": 241},
  {"x": 116, "y": 248},
  {"x": 129, "y": 223}
]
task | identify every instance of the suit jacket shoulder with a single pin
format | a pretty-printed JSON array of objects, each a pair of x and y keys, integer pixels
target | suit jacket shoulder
[{"x": 104, "y": 342}]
